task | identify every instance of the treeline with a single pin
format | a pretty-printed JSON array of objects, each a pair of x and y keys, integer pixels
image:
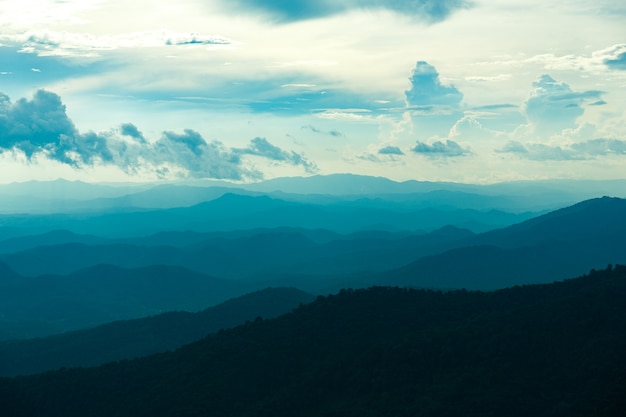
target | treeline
[{"x": 542, "y": 350}]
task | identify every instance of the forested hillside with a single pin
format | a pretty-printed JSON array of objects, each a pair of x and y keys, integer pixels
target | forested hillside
[{"x": 542, "y": 350}]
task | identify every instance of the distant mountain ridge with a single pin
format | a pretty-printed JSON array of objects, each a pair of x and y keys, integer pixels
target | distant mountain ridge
[
  {"x": 566, "y": 242},
  {"x": 239, "y": 212},
  {"x": 62, "y": 196},
  {"x": 48, "y": 304}
]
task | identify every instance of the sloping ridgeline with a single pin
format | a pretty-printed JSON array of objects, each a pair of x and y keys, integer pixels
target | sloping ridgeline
[
  {"x": 129, "y": 339},
  {"x": 542, "y": 350}
]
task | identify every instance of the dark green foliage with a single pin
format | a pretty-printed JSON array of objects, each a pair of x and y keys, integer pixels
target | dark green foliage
[{"x": 545, "y": 350}]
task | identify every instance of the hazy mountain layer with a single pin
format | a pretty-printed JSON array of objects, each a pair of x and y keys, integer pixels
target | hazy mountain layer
[
  {"x": 566, "y": 242},
  {"x": 260, "y": 253},
  {"x": 140, "y": 337},
  {"x": 48, "y": 304},
  {"x": 240, "y": 212}
]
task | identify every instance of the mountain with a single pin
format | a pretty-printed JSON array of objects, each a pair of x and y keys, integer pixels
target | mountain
[
  {"x": 347, "y": 184},
  {"x": 62, "y": 196},
  {"x": 532, "y": 195},
  {"x": 54, "y": 237},
  {"x": 594, "y": 219},
  {"x": 566, "y": 242},
  {"x": 542, "y": 350},
  {"x": 267, "y": 252},
  {"x": 49, "y": 304},
  {"x": 58, "y": 196},
  {"x": 140, "y": 337},
  {"x": 239, "y": 212}
]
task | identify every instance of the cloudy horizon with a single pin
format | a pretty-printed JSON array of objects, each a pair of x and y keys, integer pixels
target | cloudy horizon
[{"x": 464, "y": 91}]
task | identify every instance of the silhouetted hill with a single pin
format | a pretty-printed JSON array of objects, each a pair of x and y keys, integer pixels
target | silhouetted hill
[
  {"x": 596, "y": 219},
  {"x": 140, "y": 337},
  {"x": 545, "y": 350},
  {"x": 49, "y": 304},
  {"x": 566, "y": 242}
]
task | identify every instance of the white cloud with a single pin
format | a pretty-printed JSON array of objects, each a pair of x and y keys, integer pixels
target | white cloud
[
  {"x": 427, "y": 89},
  {"x": 553, "y": 106},
  {"x": 50, "y": 43},
  {"x": 590, "y": 149}
]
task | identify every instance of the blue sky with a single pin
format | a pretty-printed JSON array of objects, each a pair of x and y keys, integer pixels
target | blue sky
[{"x": 453, "y": 90}]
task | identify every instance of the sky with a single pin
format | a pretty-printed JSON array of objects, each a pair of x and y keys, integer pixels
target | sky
[{"x": 245, "y": 90}]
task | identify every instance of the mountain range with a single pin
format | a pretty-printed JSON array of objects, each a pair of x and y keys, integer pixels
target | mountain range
[
  {"x": 144, "y": 336},
  {"x": 73, "y": 285},
  {"x": 541, "y": 350},
  {"x": 415, "y": 298}
]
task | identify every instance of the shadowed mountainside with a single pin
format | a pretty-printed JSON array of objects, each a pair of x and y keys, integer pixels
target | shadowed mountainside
[
  {"x": 566, "y": 242},
  {"x": 544, "y": 350},
  {"x": 48, "y": 304},
  {"x": 140, "y": 337}
]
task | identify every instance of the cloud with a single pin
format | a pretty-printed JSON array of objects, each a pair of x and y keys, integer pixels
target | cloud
[
  {"x": 553, "y": 106},
  {"x": 427, "y": 89},
  {"x": 618, "y": 63},
  {"x": 201, "y": 159},
  {"x": 70, "y": 44},
  {"x": 449, "y": 148},
  {"x": 40, "y": 127},
  {"x": 385, "y": 154},
  {"x": 577, "y": 151},
  {"x": 130, "y": 130},
  {"x": 616, "y": 58},
  {"x": 289, "y": 10},
  {"x": 599, "y": 147},
  {"x": 332, "y": 132},
  {"x": 263, "y": 148},
  {"x": 538, "y": 151},
  {"x": 390, "y": 150},
  {"x": 37, "y": 125}
]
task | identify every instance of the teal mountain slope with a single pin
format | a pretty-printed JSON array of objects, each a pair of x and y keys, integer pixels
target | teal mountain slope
[
  {"x": 140, "y": 337},
  {"x": 49, "y": 304},
  {"x": 566, "y": 242},
  {"x": 545, "y": 350}
]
